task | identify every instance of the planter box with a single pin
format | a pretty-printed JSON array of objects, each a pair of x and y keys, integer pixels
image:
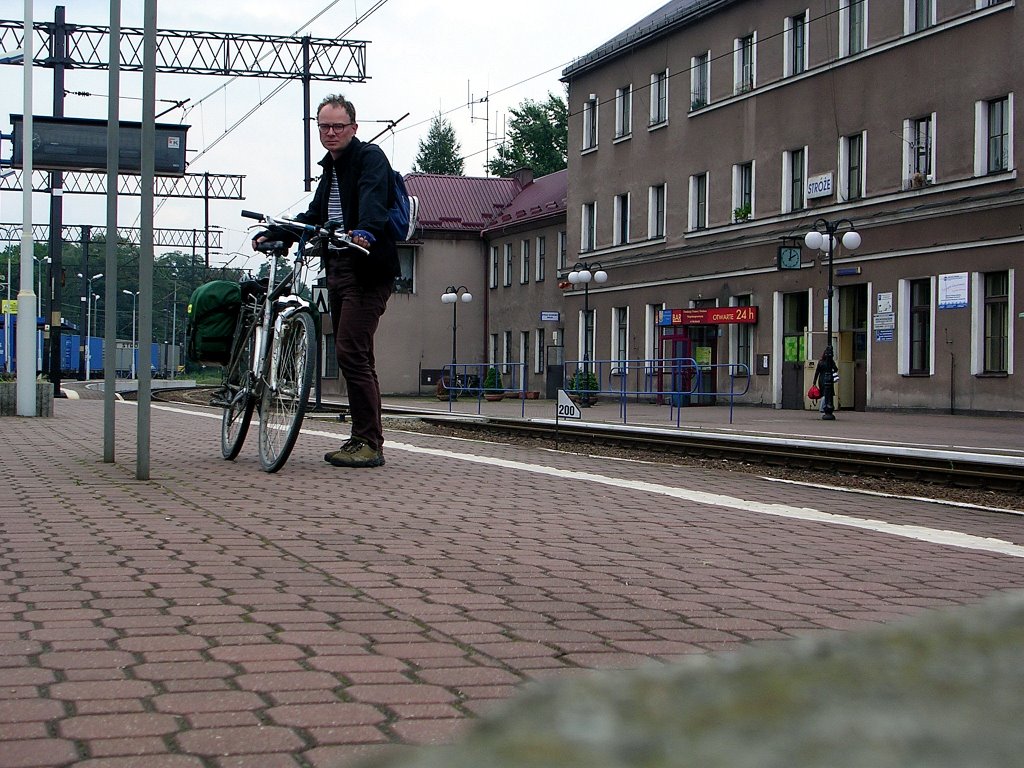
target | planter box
[{"x": 9, "y": 398}]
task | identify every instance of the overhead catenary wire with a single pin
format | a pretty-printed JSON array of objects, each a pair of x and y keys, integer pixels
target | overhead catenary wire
[{"x": 277, "y": 89}]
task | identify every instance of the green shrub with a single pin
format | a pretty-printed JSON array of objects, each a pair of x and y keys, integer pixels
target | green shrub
[
  {"x": 492, "y": 382},
  {"x": 584, "y": 381}
]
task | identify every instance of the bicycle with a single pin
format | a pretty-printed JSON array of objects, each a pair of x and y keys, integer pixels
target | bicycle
[{"x": 273, "y": 354}]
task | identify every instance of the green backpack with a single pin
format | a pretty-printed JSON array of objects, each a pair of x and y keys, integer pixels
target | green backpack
[{"x": 212, "y": 317}]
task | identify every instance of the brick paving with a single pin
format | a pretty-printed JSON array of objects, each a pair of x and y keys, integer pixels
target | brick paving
[{"x": 216, "y": 616}]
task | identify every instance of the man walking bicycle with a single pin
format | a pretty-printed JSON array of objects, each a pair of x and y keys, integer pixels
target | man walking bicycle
[{"x": 354, "y": 191}]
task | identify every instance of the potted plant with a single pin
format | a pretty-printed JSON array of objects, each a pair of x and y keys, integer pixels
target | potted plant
[
  {"x": 446, "y": 389},
  {"x": 493, "y": 387},
  {"x": 583, "y": 387},
  {"x": 742, "y": 213}
]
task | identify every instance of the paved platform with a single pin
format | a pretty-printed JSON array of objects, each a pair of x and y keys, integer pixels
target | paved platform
[{"x": 215, "y": 615}]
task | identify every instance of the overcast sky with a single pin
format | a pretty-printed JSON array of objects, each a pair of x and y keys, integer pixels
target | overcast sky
[{"x": 423, "y": 57}]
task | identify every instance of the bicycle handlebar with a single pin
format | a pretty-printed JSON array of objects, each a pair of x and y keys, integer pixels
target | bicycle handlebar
[{"x": 339, "y": 237}]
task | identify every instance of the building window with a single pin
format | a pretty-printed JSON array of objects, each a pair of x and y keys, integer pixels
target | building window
[
  {"x": 588, "y": 326},
  {"x": 851, "y": 153},
  {"x": 744, "y": 336},
  {"x": 998, "y": 130},
  {"x": 794, "y": 172},
  {"x": 621, "y": 233},
  {"x": 853, "y": 26},
  {"x": 699, "y": 201},
  {"x": 796, "y": 44},
  {"x": 508, "y": 264},
  {"x": 652, "y": 315},
  {"x": 590, "y": 123},
  {"x": 920, "y": 326},
  {"x": 404, "y": 283},
  {"x": 524, "y": 358},
  {"x": 620, "y": 350},
  {"x": 743, "y": 191},
  {"x": 745, "y": 63},
  {"x": 997, "y": 322},
  {"x": 494, "y": 267},
  {"x": 919, "y": 151},
  {"x": 700, "y": 80},
  {"x": 492, "y": 350},
  {"x": 538, "y": 351},
  {"x": 656, "y": 211},
  {"x": 563, "y": 251},
  {"x": 542, "y": 245},
  {"x": 623, "y": 111},
  {"x": 920, "y": 14},
  {"x": 588, "y": 232},
  {"x": 524, "y": 262},
  {"x": 506, "y": 352},
  {"x": 659, "y": 98}
]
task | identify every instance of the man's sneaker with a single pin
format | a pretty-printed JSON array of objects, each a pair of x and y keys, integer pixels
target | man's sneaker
[
  {"x": 355, "y": 453},
  {"x": 330, "y": 454}
]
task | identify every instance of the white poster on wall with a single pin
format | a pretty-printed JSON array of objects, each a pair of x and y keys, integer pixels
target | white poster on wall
[{"x": 953, "y": 290}]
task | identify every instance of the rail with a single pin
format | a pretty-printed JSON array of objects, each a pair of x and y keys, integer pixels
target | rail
[{"x": 679, "y": 381}]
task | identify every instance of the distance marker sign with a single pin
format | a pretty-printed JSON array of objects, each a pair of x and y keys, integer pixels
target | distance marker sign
[{"x": 566, "y": 408}]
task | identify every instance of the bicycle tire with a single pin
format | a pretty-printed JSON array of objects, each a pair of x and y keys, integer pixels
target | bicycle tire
[
  {"x": 234, "y": 424},
  {"x": 283, "y": 405}
]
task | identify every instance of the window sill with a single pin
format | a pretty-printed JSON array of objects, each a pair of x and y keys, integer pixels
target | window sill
[
  {"x": 622, "y": 138},
  {"x": 588, "y": 150},
  {"x": 992, "y": 375},
  {"x": 657, "y": 126}
]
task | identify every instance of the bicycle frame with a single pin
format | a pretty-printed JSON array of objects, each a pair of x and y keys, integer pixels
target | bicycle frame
[{"x": 270, "y": 361}]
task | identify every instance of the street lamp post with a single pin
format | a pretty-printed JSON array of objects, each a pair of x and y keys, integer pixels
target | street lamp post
[
  {"x": 40, "y": 261},
  {"x": 453, "y": 295},
  {"x": 7, "y": 317},
  {"x": 174, "y": 327},
  {"x": 823, "y": 237},
  {"x": 85, "y": 360},
  {"x": 582, "y": 273},
  {"x": 135, "y": 296}
]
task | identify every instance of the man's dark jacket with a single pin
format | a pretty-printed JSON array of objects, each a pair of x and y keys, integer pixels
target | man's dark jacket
[{"x": 364, "y": 181}]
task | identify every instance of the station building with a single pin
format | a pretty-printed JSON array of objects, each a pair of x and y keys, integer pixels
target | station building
[{"x": 708, "y": 139}]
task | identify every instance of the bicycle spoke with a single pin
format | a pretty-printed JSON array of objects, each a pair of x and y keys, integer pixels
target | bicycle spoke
[{"x": 283, "y": 404}]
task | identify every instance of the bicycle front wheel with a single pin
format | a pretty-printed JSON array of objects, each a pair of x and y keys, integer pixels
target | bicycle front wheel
[
  {"x": 286, "y": 390},
  {"x": 241, "y": 400}
]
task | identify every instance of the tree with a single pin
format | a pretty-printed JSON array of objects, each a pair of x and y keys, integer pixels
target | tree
[
  {"x": 440, "y": 152},
  {"x": 537, "y": 138}
]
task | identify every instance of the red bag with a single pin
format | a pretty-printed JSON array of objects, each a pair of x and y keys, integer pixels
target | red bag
[{"x": 814, "y": 393}]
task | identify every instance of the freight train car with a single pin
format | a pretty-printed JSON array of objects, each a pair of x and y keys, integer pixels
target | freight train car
[{"x": 163, "y": 357}]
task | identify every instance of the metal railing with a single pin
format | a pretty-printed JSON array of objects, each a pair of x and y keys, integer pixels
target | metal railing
[{"x": 680, "y": 382}]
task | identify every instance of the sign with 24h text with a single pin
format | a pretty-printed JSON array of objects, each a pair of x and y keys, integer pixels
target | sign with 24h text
[{"x": 708, "y": 316}]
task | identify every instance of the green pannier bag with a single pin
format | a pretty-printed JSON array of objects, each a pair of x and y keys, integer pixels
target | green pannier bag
[{"x": 212, "y": 318}]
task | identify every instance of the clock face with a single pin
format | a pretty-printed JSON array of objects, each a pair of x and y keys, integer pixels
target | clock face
[{"x": 789, "y": 257}]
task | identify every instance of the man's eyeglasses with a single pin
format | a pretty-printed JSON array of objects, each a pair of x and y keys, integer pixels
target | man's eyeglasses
[{"x": 336, "y": 127}]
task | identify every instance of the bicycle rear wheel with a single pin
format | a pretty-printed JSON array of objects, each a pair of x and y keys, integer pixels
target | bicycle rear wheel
[
  {"x": 286, "y": 390},
  {"x": 234, "y": 424}
]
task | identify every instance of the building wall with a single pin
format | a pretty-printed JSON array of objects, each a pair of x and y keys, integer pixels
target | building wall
[
  {"x": 516, "y": 308},
  {"x": 953, "y": 222}
]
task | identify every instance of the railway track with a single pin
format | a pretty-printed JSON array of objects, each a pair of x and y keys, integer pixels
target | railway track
[
  {"x": 930, "y": 467},
  {"x": 993, "y": 479}
]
